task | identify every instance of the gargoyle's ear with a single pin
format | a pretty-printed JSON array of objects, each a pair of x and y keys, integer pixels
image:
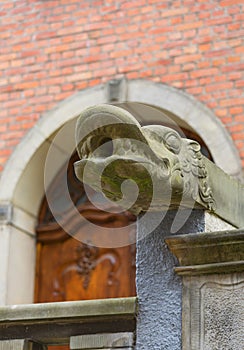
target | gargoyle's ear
[{"x": 194, "y": 145}]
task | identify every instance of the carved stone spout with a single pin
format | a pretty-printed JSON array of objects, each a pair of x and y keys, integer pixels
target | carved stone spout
[{"x": 169, "y": 171}]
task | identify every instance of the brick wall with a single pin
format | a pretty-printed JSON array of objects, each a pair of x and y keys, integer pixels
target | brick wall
[{"x": 51, "y": 49}]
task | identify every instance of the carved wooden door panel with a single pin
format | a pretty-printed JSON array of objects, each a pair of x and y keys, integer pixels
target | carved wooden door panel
[{"x": 66, "y": 268}]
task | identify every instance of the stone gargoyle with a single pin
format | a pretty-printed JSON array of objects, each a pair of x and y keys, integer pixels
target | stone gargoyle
[{"x": 169, "y": 171}]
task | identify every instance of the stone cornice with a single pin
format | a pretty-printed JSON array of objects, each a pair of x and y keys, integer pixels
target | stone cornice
[
  {"x": 208, "y": 253},
  {"x": 170, "y": 171}
]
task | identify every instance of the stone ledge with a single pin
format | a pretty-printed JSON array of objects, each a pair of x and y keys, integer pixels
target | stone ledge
[{"x": 57, "y": 322}]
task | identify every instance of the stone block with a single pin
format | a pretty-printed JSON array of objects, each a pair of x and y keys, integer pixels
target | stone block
[
  {"x": 104, "y": 341},
  {"x": 213, "y": 312}
]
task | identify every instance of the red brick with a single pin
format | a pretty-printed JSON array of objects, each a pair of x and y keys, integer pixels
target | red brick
[
  {"x": 189, "y": 26},
  {"x": 204, "y": 47},
  {"x": 239, "y": 49},
  {"x": 240, "y": 83},
  {"x": 236, "y": 110},
  {"x": 234, "y": 75},
  {"x": 133, "y": 75},
  {"x": 189, "y": 67},
  {"x": 174, "y": 69},
  {"x": 204, "y": 72},
  {"x": 62, "y": 96},
  {"x": 233, "y": 67},
  {"x": 219, "y": 62},
  {"x": 175, "y": 77},
  {"x": 230, "y": 2},
  {"x": 187, "y": 58},
  {"x": 189, "y": 83},
  {"x": 190, "y": 34},
  {"x": 234, "y": 59},
  {"x": 195, "y": 90},
  {"x": 232, "y": 102},
  {"x": 79, "y": 76},
  {"x": 220, "y": 86},
  {"x": 134, "y": 3},
  {"x": 174, "y": 12},
  {"x": 238, "y": 136}
]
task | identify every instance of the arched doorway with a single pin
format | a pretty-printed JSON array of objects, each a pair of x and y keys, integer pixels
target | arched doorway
[{"x": 21, "y": 183}]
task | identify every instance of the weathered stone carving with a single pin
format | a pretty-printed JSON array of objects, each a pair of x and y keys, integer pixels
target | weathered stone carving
[{"x": 169, "y": 170}]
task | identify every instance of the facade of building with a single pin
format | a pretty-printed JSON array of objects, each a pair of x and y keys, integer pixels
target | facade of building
[
  {"x": 59, "y": 57},
  {"x": 51, "y": 50},
  {"x": 181, "y": 59}
]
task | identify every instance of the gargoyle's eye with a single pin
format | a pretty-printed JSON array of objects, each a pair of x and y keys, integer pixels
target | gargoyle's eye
[{"x": 173, "y": 142}]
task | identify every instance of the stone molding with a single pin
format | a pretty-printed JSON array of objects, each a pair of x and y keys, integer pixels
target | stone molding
[{"x": 208, "y": 253}]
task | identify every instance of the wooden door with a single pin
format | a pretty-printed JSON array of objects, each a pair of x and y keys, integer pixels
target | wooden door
[{"x": 66, "y": 268}]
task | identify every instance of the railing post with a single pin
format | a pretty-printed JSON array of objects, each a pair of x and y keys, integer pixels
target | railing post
[{"x": 212, "y": 267}]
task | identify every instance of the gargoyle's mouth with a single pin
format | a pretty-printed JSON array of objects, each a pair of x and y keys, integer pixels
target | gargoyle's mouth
[
  {"x": 101, "y": 150},
  {"x": 108, "y": 133},
  {"x": 113, "y": 148},
  {"x": 99, "y": 126}
]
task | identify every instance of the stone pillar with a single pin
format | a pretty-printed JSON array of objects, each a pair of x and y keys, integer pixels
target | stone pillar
[
  {"x": 212, "y": 267},
  {"x": 106, "y": 341}
]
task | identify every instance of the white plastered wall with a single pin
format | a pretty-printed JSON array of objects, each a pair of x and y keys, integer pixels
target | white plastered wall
[{"x": 22, "y": 181}]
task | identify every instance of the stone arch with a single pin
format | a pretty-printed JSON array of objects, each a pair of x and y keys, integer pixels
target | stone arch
[{"x": 22, "y": 185}]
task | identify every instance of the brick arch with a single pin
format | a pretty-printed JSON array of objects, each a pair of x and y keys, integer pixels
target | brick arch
[{"x": 22, "y": 187}]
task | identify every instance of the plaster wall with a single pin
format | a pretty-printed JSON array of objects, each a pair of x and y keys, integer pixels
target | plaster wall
[{"x": 159, "y": 288}]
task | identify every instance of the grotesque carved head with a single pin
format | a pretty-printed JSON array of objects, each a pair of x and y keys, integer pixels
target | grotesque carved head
[{"x": 115, "y": 150}]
